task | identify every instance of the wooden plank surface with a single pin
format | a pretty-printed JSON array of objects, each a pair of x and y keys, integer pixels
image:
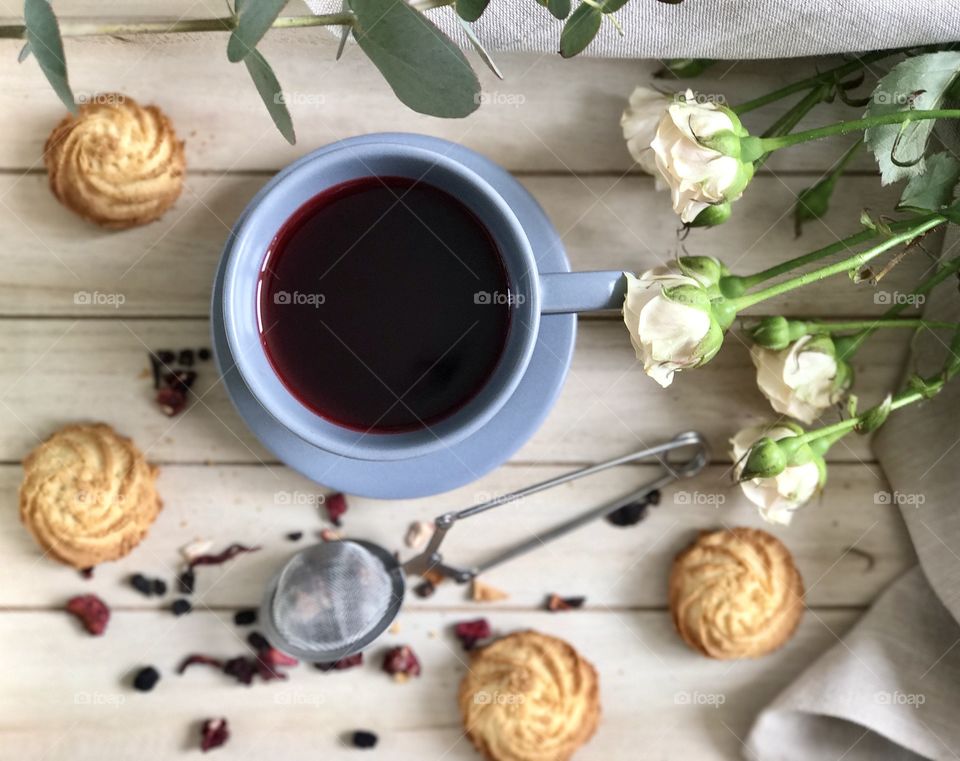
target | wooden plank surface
[
  {"x": 66, "y": 694},
  {"x": 59, "y": 370},
  {"x": 607, "y": 223}
]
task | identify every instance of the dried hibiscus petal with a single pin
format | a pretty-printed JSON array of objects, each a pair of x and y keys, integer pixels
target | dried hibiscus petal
[
  {"x": 471, "y": 632},
  {"x": 213, "y": 734},
  {"x": 172, "y": 401},
  {"x": 336, "y": 506},
  {"x": 222, "y": 557},
  {"x": 92, "y": 611},
  {"x": 244, "y": 669},
  {"x": 401, "y": 663},
  {"x": 344, "y": 663},
  {"x": 204, "y": 659},
  {"x": 556, "y": 603}
]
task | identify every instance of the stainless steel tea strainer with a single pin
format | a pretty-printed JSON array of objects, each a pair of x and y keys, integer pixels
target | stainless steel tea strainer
[{"x": 333, "y": 599}]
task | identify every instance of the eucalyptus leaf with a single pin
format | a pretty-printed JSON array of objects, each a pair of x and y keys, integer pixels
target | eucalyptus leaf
[
  {"x": 253, "y": 21},
  {"x": 478, "y": 46},
  {"x": 580, "y": 29},
  {"x": 43, "y": 37},
  {"x": 470, "y": 10},
  {"x": 684, "y": 68},
  {"x": 559, "y": 8},
  {"x": 24, "y": 53},
  {"x": 919, "y": 83},
  {"x": 423, "y": 66},
  {"x": 344, "y": 31},
  {"x": 933, "y": 189},
  {"x": 270, "y": 93}
]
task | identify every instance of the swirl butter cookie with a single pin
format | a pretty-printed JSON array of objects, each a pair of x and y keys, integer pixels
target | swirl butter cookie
[
  {"x": 116, "y": 163},
  {"x": 529, "y": 697},
  {"x": 88, "y": 495},
  {"x": 735, "y": 593}
]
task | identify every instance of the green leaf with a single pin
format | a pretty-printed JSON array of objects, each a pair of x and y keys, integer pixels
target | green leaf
[
  {"x": 873, "y": 418},
  {"x": 253, "y": 21},
  {"x": 24, "y": 53},
  {"x": 933, "y": 189},
  {"x": 471, "y": 10},
  {"x": 270, "y": 93},
  {"x": 423, "y": 66},
  {"x": 917, "y": 83},
  {"x": 559, "y": 8},
  {"x": 579, "y": 30},
  {"x": 43, "y": 37},
  {"x": 478, "y": 46}
]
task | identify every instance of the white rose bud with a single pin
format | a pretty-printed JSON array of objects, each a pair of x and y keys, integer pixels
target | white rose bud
[
  {"x": 803, "y": 380},
  {"x": 697, "y": 150},
  {"x": 639, "y": 122},
  {"x": 668, "y": 316},
  {"x": 777, "y": 496}
]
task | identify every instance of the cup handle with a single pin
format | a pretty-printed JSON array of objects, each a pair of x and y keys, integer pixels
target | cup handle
[{"x": 566, "y": 292}]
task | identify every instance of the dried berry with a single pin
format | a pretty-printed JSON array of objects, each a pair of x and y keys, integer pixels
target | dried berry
[
  {"x": 185, "y": 357},
  {"x": 344, "y": 663},
  {"x": 425, "y": 589},
  {"x": 181, "y": 607},
  {"x": 142, "y": 584},
  {"x": 295, "y": 536},
  {"x": 92, "y": 611},
  {"x": 86, "y": 573},
  {"x": 213, "y": 734},
  {"x": 203, "y": 354},
  {"x": 245, "y": 617},
  {"x": 257, "y": 641},
  {"x": 206, "y": 660},
  {"x": 186, "y": 581},
  {"x": 556, "y": 603},
  {"x": 242, "y": 669},
  {"x": 336, "y": 507},
  {"x": 471, "y": 632},
  {"x": 401, "y": 663},
  {"x": 158, "y": 587},
  {"x": 180, "y": 380},
  {"x": 166, "y": 356},
  {"x": 172, "y": 401},
  {"x": 363, "y": 738},
  {"x": 146, "y": 679},
  {"x": 222, "y": 557},
  {"x": 632, "y": 514}
]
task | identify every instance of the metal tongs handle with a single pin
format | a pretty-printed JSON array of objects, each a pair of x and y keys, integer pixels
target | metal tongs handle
[{"x": 431, "y": 559}]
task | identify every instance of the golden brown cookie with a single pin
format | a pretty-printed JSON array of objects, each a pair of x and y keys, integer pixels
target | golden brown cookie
[
  {"x": 116, "y": 163},
  {"x": 529, "y": 697},
  {"x": 735, "y": 593},
  {"x": 88, "y": 495}
]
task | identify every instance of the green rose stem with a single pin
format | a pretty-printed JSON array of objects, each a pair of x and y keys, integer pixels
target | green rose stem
[
  {"x": 854, "y": 262},
  {"x": 828, "y": 77},
  {"x": 816, "y": 326},
  {"x": 768, "y": 144},
  {"x": 792, "y": 118}
]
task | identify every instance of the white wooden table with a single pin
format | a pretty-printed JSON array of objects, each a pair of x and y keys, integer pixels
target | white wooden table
[{"x": 65, "y": 695}]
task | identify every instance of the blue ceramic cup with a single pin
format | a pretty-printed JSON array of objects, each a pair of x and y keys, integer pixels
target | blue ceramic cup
[{"x": 396, "y": 155}]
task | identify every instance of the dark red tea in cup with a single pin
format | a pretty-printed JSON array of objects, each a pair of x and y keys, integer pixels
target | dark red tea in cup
[{"x": 383, "y": 304}]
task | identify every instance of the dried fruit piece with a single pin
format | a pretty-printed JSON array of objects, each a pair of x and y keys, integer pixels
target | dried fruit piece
[
  {"x": 295, "y": 536},
  {"x": 158, "y": 587},
  {"x": 245, "y": 617},
  {"x": 222, "y": 557},
  {"x": 146, "y": 679},
  {"x": 181, "y": 607},
  {"x": 471, "y": 632},
  {"x": 87, "y": 573},
  {"x": 206, "y": 660},
  {"x": 142, "y": 584},
  {"x": 481, "y": 592},
  {"x": 257, "y": 641},
  {"x": 213, "y": 734},
  {"x": 556, "y": 603},
  {"x": 172, "y": 401},
  {"x": 344, "y": 663},
  {"x": 632, "y": 514},
  {"x": 185, "y": 358},
  {"x": 186, "y": 581},
  {"x": 336, "y": 506},
  {"x": 203, "y": 354},
  {"x": 363, "y": 738},
  {"x": 244, "y": 669},
  {"x": 418, "y": 534},
  {"x": 425, "y": 589},
  {"x": 401, "y": 663},
  {"x": 92, "y": 611}
]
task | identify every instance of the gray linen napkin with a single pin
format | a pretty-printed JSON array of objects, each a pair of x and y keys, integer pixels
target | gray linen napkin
[
  {"x": 715, "y": 28},
  {"x": 891, "y": 687}
]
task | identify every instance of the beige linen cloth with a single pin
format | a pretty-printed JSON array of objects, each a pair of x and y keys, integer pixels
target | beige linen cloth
[
  {"x": 716, "y": 28},
  {"x": 891, "y": 688}
]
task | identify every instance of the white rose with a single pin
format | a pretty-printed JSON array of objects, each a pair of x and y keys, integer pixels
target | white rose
[
  {"x": 780, "y": 496},
  {"x": 667, "y": 336},
  {"x": 698, "y": 176},
  {"x": 639, "y": 123},
  {"x": 802, "y": 380}
]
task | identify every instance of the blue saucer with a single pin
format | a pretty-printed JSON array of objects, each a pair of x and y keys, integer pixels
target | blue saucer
[{"x": 487, "y": 448}]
